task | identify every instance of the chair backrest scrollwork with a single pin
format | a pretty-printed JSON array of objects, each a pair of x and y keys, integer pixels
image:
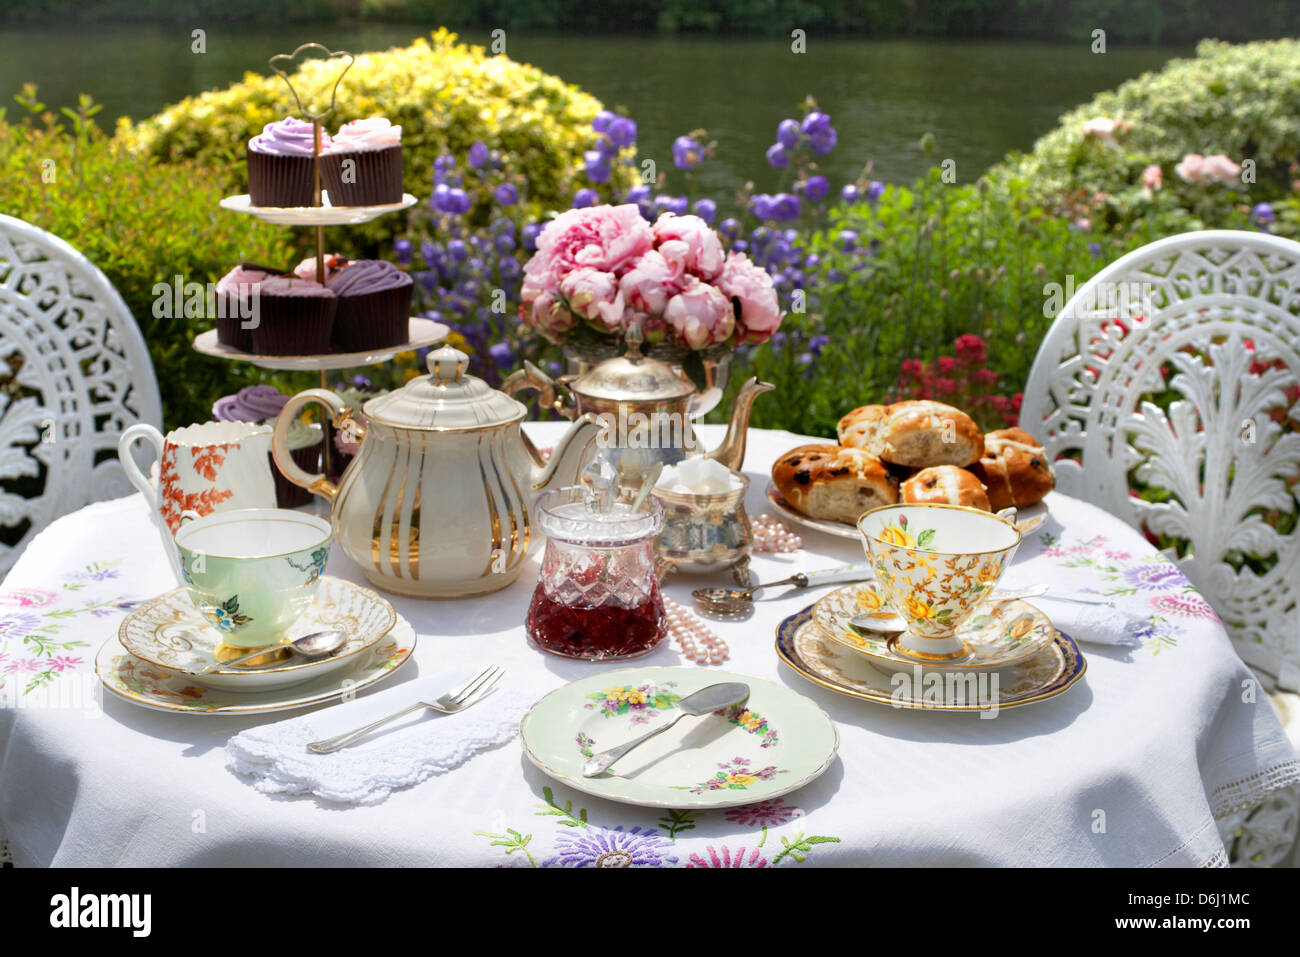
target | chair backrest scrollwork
[
  {"x": 74, "y": 373},
  {"x": 1168, "y": 392}
]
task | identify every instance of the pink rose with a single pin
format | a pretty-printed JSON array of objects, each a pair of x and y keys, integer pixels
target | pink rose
[
  {"x": 1153, "y": 177},
  {"x": 691, "y": 240},
  {"x": 700, "y": 315},
  {"x": 751, "y": 286},
  {"x": 605, "y": 238},
  {"x": 594, "y": 295},
  {"x": 648, "y": 285},
  {"x": 1191, "y": 169},
  {"x": 547, "y": 315},
  {"x": 1220, "y": 168}
]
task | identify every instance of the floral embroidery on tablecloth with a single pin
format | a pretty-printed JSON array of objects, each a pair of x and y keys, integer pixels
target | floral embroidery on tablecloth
[
  {"x": 1165, "y": 591},
  {"x": 581, "y": 843},
  {"x": 31, "y": 649}
]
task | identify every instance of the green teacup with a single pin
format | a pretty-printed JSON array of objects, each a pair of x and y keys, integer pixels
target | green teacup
[{"x": 252, "y": 572}]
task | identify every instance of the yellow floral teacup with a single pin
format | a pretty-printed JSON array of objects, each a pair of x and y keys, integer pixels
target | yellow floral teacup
[{"x": 936, "y": 564}]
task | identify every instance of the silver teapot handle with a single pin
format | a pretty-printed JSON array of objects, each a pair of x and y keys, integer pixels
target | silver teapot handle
[{"x": 318, "y": 484}]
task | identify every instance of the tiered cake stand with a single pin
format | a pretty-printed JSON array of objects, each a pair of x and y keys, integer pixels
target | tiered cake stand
[{"x": 422, "y": 332}]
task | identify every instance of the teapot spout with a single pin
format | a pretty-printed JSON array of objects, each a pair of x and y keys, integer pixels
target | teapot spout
[
  {"x": 567, "y": 458},
  {"x": 731, "y": 452}
]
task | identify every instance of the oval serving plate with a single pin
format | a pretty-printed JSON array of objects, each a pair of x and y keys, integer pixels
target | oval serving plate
[
  {"x": 169, "y": 632},
  {"x": 1028, "y": 519},
  {"x": 775, "y": 743},
  {"x": 805, "y": 649}
]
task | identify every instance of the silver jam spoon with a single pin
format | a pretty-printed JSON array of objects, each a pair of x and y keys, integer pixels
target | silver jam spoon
[
  {"x": 318, "y": 644},
  {"x": 705, "y": 701},
  {"x": 725, "y": 599}
]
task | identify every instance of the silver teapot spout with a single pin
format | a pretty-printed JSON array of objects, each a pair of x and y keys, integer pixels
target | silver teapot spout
[{"x": 731, "y": 452}]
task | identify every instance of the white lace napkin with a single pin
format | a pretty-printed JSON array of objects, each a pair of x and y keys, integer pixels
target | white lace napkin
[{"x": 398, "y": 755}]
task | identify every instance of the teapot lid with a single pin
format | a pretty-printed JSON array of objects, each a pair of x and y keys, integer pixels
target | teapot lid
[
  {"x": 445, "y": 400},
  {"x": 633, "y": 376}
]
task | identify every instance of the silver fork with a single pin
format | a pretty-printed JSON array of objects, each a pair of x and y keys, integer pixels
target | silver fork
[{"x": 457, "y": 699}]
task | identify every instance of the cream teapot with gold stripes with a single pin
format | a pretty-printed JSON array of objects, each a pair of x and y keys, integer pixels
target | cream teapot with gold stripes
[{"x": 438, "y": 501}]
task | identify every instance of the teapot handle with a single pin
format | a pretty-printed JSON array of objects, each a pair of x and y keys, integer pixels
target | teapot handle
[
  {"x": 548, "y": 396},
  {"x": 318, "y": 483}
]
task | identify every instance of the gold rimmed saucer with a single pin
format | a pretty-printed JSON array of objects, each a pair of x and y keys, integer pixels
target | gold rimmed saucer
[
  {"x": 170, "y": 632},
  {"x": 1000, "y": 634}
]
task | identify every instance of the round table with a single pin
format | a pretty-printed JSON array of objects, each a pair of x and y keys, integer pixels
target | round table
[{"x": 1128, "y": 767}]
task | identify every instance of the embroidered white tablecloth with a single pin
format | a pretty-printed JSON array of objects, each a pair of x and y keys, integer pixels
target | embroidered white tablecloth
[{"x": 1127, "y": 768}]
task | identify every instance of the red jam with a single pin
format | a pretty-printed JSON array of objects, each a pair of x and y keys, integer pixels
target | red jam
[{"x": 596, "y": 632}]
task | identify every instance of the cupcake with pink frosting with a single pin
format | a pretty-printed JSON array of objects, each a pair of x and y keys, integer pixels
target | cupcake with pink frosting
[
  {"x": 374, "y": 299},
  {"x": 236, "y": 316},
  {"x": 262, "y": 404},
  {"x": 363, "y": 164},
  {"x": 296, "y": 317},
  {"x": 282, "y": 164}
]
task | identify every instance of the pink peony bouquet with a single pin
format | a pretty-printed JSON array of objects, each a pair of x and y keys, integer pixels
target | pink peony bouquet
[{"x": 606, "y": 268}]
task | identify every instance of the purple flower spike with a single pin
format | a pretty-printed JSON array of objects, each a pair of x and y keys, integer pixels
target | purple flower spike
[
  {"x": 1263, "y": 213},
  {"x": 597, "y": 166},
  {"x": 875, "y": 190},
  {"x": 502, "y": 354},
  {"x": 777, "y": 156},
  {"x": 479, "y": 155},
  {"x": 601, "y": 123},
  {"x": 584, "y": 198},
  {"x": 823, "y": 141},
  {"x": 729, "y": 227},
  {"x": 786, "y": 207},
  {"x": 686, "y": 153},
  {"x": 402, "y": 248},
  {"x": 815, "y": 188},
  {"x": 637, "y": 194},
  {"x": 787, "y": 134},
  {"x": 706, "y": 209},
  {"x": 815, "y": 122},
  {"x": 506, "y": 194},
  {"x": 849, "y": 194},
  {"x": 622, "y": 131}
]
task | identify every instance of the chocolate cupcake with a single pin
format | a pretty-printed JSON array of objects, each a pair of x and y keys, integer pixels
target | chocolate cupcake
[
  {"x": 363, "y": 165},
  {"x": 282, "y": 164},
  {"x": 293, "y": 317},
  {"x": 374, "y": 305},
  {"x": 262, "y": 404},
  {"x": 237, "y": 291}
]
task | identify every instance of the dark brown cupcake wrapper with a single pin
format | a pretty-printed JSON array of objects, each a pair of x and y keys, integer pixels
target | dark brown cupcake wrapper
[
  {"x": 376, "y": 320},
  {"x": 287, "y": 494},
  {"x": 294, "y": 325},
  {"x": 376, "y": 177},
  {"x": 281, "y": 181}
]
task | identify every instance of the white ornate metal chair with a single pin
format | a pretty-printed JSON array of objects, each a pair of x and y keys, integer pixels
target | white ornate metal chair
[
  {"x": 1177, "y": 368},
  {"x": 74, "y": 373}
]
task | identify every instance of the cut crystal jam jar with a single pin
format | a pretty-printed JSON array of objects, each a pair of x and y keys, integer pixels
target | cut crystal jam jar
[{"x": 597, "y": 597}]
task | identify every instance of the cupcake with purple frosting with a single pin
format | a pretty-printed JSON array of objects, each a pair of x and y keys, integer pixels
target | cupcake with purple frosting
[
  {"x": 296, "y": 317},
  {"x": 363, "y": 164},
  {"x": 262, "y": 404},
  {"x": 282, "y": 164},
  {"x": 374, "y": 305}
]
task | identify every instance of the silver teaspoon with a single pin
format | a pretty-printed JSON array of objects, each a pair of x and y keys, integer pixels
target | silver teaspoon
[
  {"x": 705, "y": 701},
  {"x": 316, "y": 645}
]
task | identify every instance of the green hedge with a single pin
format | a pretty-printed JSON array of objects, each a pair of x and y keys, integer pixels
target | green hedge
[{"x": 142, "y": 223}]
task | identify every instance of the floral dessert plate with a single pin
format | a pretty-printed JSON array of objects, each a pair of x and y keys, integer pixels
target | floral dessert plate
[
  {"x": 773, "y": 744},
  {"x": 1028, "y": 519},
  {"x": 171, "y": 633},
  {"x": 999, "y": 634},
  {"x": 806, "y": 649},
  {"x": 160, "y": 689},
  {"x": 322, "y": 215}
]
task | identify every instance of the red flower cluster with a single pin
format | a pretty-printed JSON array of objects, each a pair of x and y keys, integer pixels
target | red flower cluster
[{"x": 963, "y": 380}]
